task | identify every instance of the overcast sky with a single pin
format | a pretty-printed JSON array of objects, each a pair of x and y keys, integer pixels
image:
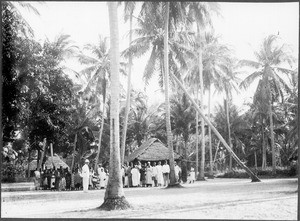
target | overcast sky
[{"x": 242, "y": 25}]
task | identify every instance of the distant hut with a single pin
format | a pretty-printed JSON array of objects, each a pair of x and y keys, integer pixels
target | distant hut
[
  {"x": 151, "y": 150},
  {"x": 57, "y": 162}
]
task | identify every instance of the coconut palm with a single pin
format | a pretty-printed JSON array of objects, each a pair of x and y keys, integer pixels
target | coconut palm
[
  {"x": 182, "y": 117},
  {"x": 201, "y": 13},
  {"x": 268, "y": 68},
  {"x": 114, "y": 194},
  {"x": 96, "y": 75},
  {"x": 128, "y": 13},
  {"x": 154, "y": 30},
  {"x": 215, "y": 57}
]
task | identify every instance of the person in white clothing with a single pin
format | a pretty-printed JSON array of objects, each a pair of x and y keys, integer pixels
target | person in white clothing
[
  {"x": 159, "y": 174},
  {"x": 166, "y": 171},
  {"x": 135, "y": 176},
  {"x": 102, "y": 178},
  {"x": 154, "y": 174},
  {"x": 177, "y": 171},
  {"x": 85, "y": 175}
]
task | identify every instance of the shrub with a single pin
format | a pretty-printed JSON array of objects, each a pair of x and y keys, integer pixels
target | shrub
[{"x": 281, "y": 172}]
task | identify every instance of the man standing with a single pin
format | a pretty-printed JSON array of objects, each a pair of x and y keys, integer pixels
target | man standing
[
  {"x": 85, "y": 175},
  {"x": 177, "y": 172},
  {"x": 159, "y": 174},
  {"x": 166, "y": 171},
  {"x": 154, "y": 174}
]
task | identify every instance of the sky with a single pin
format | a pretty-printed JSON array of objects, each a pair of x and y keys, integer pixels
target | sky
[{"x": 243, "y": 26}]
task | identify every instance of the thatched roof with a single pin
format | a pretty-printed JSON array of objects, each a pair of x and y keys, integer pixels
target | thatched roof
[
  {"x": 151, "y": 150},
  {"x": 57, "y": 161}
]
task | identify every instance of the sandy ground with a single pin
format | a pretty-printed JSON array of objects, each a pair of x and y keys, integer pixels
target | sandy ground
[{"x": 273, "y": 199}]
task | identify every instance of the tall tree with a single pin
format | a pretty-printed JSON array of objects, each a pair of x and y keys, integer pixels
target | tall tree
[
  {"x": 270, "y": 59},
  {"x": 114, "y": 194},
  {"x": 96, "y": 79},
  {"x": 129, "y": 8},
  {"x": 201, "y": 13},
  {"x": 154, "y": 29}
]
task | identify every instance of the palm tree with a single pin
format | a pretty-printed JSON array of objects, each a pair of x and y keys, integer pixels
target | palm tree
[
  {"x": 201, "y": 13},
  {"x": 215, "y": 57},
  {"x": 249, "y": 172},
  {"x": 268, "y": 68},
  {"x": 154, "y": 30},
  {"x": 114, "y": 194},
  {"x": 182, "y": 116},
  {"x": 96, "y": 81},
  {"x": 129, "y": 8}
]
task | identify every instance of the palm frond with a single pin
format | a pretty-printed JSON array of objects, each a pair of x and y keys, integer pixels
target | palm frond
[{"x": 248, "y": 80}]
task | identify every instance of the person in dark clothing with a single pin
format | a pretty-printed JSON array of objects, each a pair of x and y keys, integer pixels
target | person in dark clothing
[
  {"x": 57, "y": 178},
  {"x": 143, "y": 175},
  {"x": 129, "y": 174},
  {"x": 68, "y": 179}
]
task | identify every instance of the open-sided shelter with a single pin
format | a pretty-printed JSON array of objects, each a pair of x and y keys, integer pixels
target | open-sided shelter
[{"x": 151, "y": 150}]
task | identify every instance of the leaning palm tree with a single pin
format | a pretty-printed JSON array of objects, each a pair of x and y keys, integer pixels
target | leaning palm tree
[
  {"x": 114, "y": 194},
  {"x": 270, "y": 59},
  {"x": 249, "y": 172}
]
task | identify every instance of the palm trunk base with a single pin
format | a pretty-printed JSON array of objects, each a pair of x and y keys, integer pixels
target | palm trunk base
[
  {"x": 210, "y": 176},
  {"x": 118, "y": 203},
  {"x": 201, "y": 178},
  {"x": 255, "y": 179}
]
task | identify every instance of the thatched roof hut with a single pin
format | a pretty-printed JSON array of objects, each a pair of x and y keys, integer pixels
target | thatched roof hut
[
  {"x": 57, "y": 161},
  {"x": 151, "y": 150}
]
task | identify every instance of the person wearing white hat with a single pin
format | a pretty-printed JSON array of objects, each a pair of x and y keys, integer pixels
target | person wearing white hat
[{"x": 85, "y": 176}]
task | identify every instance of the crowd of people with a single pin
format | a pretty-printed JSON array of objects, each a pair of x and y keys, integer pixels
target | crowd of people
[
  {"x": 133, "y": 175},
  {"x": 61, "y": 179},
  {"x": 147, "y": 175}
]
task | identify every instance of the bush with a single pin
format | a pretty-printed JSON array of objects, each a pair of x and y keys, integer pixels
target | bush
[
  {"x": 281, "y": 172},
  {"x": 11, "y": 173}
]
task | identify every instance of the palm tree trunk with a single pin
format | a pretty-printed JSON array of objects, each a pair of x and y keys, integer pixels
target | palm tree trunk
[
  {"x": 114, "y": 195},
  {"x": 271, "y": 130},
  {"x": 272, "y": 140},
  {"x": 255, "y": 160},
  {"x": 216, "y": 151},
  {"x": 249, "y": 172},
  {"x": 209, "y": 135},
  {"x": 228, "y": 129},
  {"x": 74, "y": 149},
  {"x": 197, "y": 137},
  {"x": 264, "y": 162},
  {"x": 200, "y": 65},
  {"x": 101, "y": 131},
  {"x": 42, "y": 155},
  {"x": 167, "y": 102},
  {"x": 123, "y": 144}
]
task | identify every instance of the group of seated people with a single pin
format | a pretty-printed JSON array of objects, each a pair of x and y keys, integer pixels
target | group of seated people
[
  {"x": 61, "y": 179},
  {"x": 147, "y": 174}
]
